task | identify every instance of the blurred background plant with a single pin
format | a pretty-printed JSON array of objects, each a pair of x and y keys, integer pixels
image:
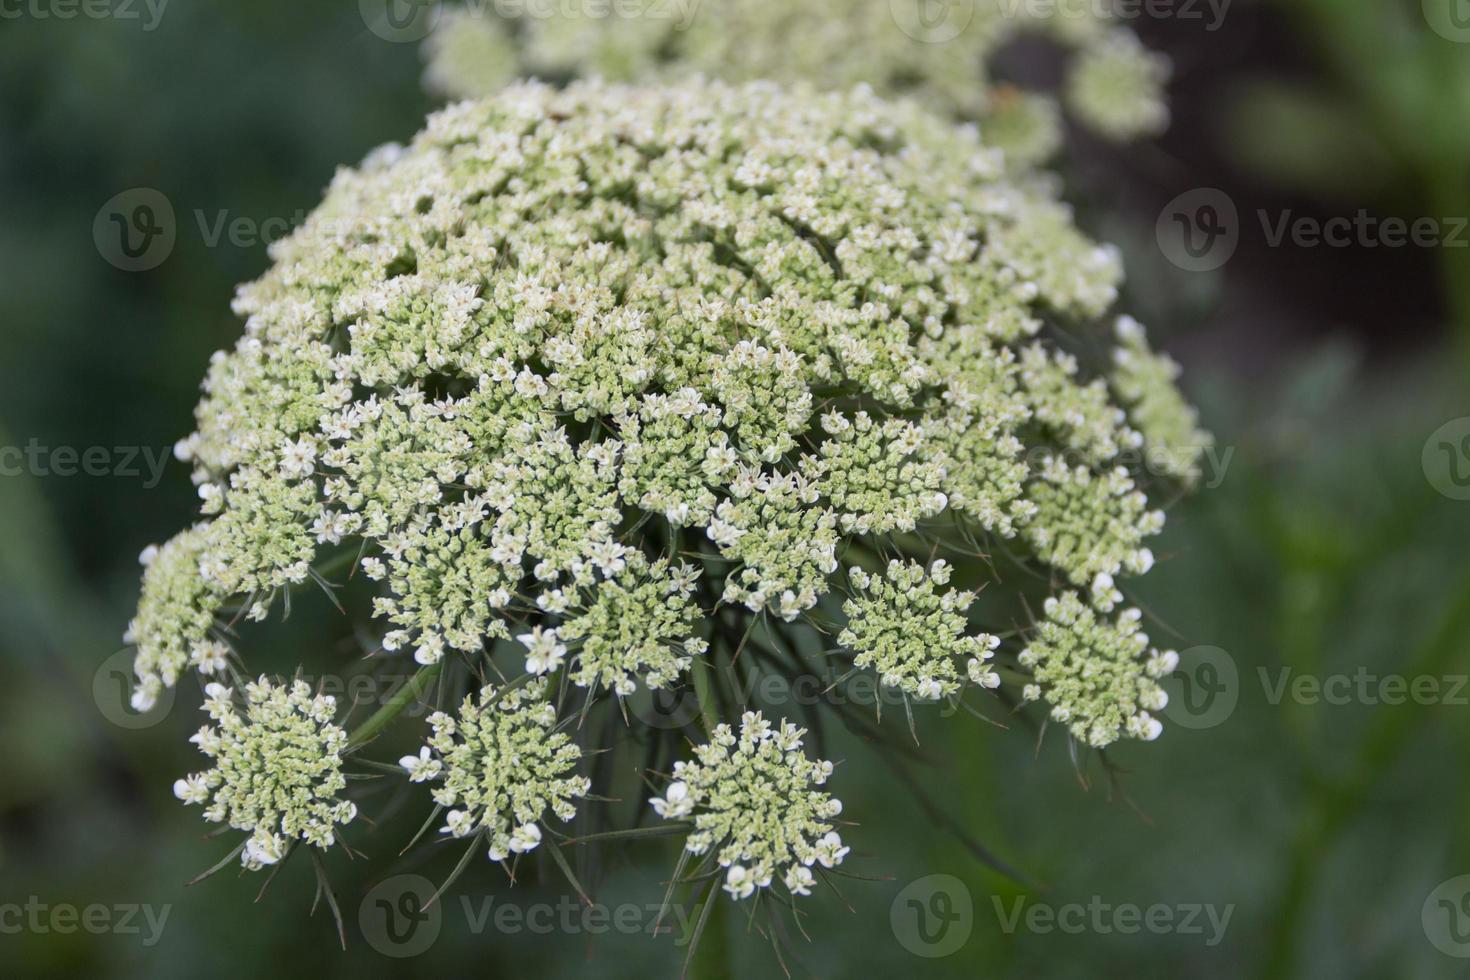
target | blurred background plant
[
  {"x": 1323, "y": 548},
  {"x": 1369, "y": 123}
]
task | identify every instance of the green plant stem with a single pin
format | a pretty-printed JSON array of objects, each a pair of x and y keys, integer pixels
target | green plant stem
[
  {"x": 712, "y": 957},
  {"x": 401, "y": 699},
  {"x": 704, "y": 695}
]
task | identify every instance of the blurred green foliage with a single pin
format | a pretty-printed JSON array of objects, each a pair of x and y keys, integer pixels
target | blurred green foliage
[{"x": 1378, "y": 122}]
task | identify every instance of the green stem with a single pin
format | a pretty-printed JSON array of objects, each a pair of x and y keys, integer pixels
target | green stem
[
  {"x": 401, "y": 699},
  {"x": 712, "y": 957},
  {"x": 704, "y": 695}
]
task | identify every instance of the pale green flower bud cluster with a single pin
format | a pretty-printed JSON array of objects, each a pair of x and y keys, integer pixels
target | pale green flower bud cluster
[
  {"x": 1117, "y": 86},
  {"x": 172, "y": 628},
  {"x": 1088, "y": 523},
  {"x": 431, "y": 348},
  {"x": 1082, "y": 417},
  {"x": 783, "y": 538},
  {"x": 876, "y": 475},
  {"x": 755, "y": 804},
  {"x": 1100, "y": 676},
  {"x": 637, "y": 624},
  {"x": 1114, "y": 84},
  {"x": 913, "y": 635},
  {"x": 1145, "y": 383},
  {"x": 674, "y": 454},
  {"x": 277, "y": 768},
  {"x": 500, "y": 767},
  {"x": 467, "y": 53}
]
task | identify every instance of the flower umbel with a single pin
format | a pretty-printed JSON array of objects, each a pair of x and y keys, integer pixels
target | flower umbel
[
  {"x": 754, "y": 801},
  {"x": 603, "y": 389},
  {"x": 500, "y": 767},
  {"x": 1101, "y": 677},
  {"x": 902, "y": 625},
  {"x": 277, "y": 768}
]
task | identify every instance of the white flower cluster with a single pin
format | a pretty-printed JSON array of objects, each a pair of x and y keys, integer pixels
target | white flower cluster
[
  {"x": 1114, "y": 84},
  {"x": 501, "y": 767},
  {"x": 752, "y": 799},
  {"x": 902, "y": 626},
  {"x": 1100, "y": 676},
  {"x": 638, "y": 623},
  {"x": 1117, "y": 86},
  {"x": 277, "y": 768},
  {"x": 586, "y": 367}
]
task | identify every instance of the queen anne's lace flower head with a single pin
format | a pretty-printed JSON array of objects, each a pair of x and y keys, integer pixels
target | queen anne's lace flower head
[
  {"x": 904, "y": 627},
  {"x": 500, "y": 768},
  {"x": 1117, "y": 86},
  {"x": 1100, "y": 676},
  {"x": 277, "y": 768},
  {"x": 1114, "y": 86},
  {"x": 753, "y": 800},
  {"x": 599, "y": 374}
]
